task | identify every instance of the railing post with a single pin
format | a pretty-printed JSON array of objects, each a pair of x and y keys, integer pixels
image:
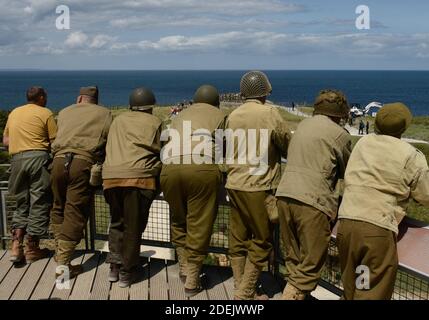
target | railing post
[
  {"x": 2, "y": 215},
  {"x": 92, "y": 225}
]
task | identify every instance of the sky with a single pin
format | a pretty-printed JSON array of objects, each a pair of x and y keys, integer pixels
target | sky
[{"x": 219, "y": 35}]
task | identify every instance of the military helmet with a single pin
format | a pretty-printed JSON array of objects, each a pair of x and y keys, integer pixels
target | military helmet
[
  {"x": 207, "y": 94},
  {"x": 332, "y": 103},
  {"x": 142, "y": 99},
  {"x": 393, "y": 119},
  {"x": 255, "y": 84}
]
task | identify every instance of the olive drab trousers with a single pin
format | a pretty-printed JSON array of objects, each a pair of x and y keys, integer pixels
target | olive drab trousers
[
  {"x": 250, "y": 228},
  {"x": 192, "y": 193},
  {"x": 73, "y": 197},
  {"x": 129, "y": 212},
  {"x": 363, "y": 246},
  {"x": 306, "y": 233},
  {"x": 29, "y": 183}
]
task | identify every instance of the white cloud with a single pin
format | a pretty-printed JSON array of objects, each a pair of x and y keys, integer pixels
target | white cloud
[{"x": 76, "y": 40}]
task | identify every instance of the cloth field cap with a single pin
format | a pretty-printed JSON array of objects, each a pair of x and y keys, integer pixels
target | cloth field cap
[
  {"x": 393, "y": 119},
  {"x": 89, "y": 91}
]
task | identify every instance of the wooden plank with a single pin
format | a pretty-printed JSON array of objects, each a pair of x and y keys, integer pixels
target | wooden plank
[
  {"x": 158, "y": 287},
  {"x": 228, "y": 281},
  {"x": 175, "y": 286},
  {"x": 46, "y": 283},
  {"x": 215, "y": 288},
  {"x": 101, "y": 288},
  {"x": 140, "y": 288},
  {"x": 83, "y": 284},
  {"x": 11, "y": 281},
  {"x": 117, "y": 293},
  {"x": 63, "y": 294},
  {"x": 30, "y": 280},
  {"x": 5, "y": 265}
]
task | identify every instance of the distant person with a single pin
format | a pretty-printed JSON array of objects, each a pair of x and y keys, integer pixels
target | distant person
[
  {"x": 130, "y": 180},
  {"x": 78, "y": 149},
  {"x": 308, "y": 201},
  {"x": 367, "y": 127},
  {"x": 191, "y": 189},
  {"x": 293, "y": 106},
  {"x": 383, "y": 174},
  {"x": 361, "y": 127},
  {"x": 29, "y": 133},
  {"x": 249, "y": 191}
]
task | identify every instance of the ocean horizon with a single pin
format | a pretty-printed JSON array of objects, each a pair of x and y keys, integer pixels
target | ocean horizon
[{"x": 174, "y": 86}]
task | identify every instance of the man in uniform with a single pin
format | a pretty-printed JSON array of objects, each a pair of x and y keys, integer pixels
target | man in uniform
[
  {"x": 250, "y": 240},
  {"x": 383, "y": 174},
  {"x": 130, "y": 175},
  {"x": 308, "y": 201},
  {"x": 191, "y": 187},
  {"x": 80, "y": 144},
  {"x": 29, "y": 132}
]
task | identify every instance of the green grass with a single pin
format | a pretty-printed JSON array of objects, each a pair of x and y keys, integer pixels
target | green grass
[
  {"x": 419, "y": 129},
  {"x": 306, "y": 110}
]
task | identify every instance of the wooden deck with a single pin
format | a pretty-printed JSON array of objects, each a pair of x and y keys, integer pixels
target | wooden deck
[{"x": 158, "y": 280}]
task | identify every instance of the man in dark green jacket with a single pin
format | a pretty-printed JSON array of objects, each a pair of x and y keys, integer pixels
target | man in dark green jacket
[
  {"x": 190, "y": 182},
  {"x": 130, "y": 175}
]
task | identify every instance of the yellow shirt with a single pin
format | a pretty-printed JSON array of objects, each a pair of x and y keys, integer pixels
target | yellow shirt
[{"x": 30, "y": 127}]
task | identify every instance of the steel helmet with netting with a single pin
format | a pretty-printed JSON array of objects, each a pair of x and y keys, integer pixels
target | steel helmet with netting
[{"x": 255, "y": 84}]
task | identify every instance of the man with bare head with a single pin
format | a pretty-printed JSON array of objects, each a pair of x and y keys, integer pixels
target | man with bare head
[{"x": 29, "y": 132}]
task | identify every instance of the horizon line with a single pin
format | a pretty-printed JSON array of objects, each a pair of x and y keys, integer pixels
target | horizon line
[{"x": 210, "y": 70}]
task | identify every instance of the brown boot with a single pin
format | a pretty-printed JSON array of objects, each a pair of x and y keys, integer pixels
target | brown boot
[
  {"x": 182, "y": 257},
  {"x": 193, "y": 283},
  {"x": 292, "y": 293},
  {"x": 32, "y": 250},
  {"x": 17, "y": 250},
  {"x": 237, "y": 265},
  {"x": 247, "y": 288},
  {"x": 65, "y": 253}
]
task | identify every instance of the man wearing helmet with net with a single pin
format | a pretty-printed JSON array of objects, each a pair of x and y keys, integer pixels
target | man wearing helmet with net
[
  {"x": 308, "y": 192},
  {"x": 250, "y": 242}
]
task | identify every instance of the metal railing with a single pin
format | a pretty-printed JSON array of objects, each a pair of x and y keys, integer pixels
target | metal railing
[{"x": 410, "y": 284}]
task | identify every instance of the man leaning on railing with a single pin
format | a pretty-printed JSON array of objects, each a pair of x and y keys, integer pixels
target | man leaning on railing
[{"x": 29, "y": 132}]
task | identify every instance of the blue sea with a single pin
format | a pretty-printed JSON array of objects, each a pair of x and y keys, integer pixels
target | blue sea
[{"x": 170, "y": 87}]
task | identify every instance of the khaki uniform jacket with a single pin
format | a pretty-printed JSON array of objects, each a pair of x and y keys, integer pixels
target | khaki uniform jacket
[
  {"x": 133, "y": 147},
  {"x": 83, "y": 130},
  {"x": 204, "y": 120},
  {"x": 318, "y": 156},
  {"x": 384, "y": 173},
  {"x": 248, "y": 176}
]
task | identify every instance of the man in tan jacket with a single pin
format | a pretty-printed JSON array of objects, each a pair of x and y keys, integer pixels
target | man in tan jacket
[
  {"x": 130, "y": 175},
  {"x": 308, "y": 201},
  {"x": 80, "y": 143},
  {"x": 383, "y": 174},
  {"x": 190, "y": 182},
  {"x": 261, "y": 138}
]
